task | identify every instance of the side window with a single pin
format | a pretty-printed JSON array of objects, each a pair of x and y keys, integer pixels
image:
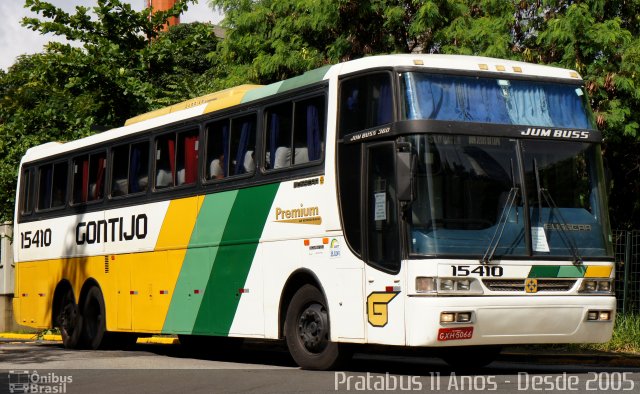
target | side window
[
  {"x": 130, "y": 169},
  {"x": 242, "y": 145},
  {"x": 88, "y": 177},
  {"x": 308, "y": 134},
  {"x": 176, "y": 159},
  {"x": 365, "y": 102},
  {"x": 279, "y": 126},
  {"x": 217, "y": 135},
  {"x": 52, "y": 185},
  {"x": 295, "y": 133},
  {"x": 26, "y": 192}
]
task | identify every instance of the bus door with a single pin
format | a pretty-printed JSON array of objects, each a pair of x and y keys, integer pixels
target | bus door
[{"x": 384, "y": 281}]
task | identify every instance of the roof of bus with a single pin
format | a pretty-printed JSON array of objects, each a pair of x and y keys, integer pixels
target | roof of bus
[{"x": 246, "y": 93}]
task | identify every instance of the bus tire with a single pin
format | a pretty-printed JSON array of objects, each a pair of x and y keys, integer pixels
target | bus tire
[
  {"x": 93, "y": 314},
  {"x": 307, "y": 331},
  {"x": 68, "y": 319}
]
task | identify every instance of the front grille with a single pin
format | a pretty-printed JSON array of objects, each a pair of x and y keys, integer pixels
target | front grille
[{"x": 555, "y": 285}]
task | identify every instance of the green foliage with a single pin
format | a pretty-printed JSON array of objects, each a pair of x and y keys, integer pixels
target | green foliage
[
  {"x": 626, "y": 336},
  {"x": 126, "y": 66},
  {"x": 269, "y": 40},
  {"x": 120, "y": 65}
]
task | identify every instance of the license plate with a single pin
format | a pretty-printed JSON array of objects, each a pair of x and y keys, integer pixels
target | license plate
[{"x": 452, "y": 334}]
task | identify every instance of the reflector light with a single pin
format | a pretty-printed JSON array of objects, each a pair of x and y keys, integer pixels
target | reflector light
[{"x": 592, "y": 315}]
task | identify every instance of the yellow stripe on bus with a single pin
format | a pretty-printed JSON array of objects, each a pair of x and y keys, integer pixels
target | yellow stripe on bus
[
  {"x": 598, "y": 271},
  {"x": 154, "y": 275}
]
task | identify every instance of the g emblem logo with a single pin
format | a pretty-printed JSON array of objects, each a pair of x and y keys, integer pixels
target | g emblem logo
[{"x": 378, "y": 307}]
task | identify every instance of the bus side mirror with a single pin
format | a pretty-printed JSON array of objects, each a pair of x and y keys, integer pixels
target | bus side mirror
[{"x": 405, "y": 168}]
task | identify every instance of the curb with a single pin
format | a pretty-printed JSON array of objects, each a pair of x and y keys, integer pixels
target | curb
[{"x": 58, "y": 338}]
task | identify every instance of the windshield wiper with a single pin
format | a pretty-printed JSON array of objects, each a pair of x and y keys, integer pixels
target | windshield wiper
[
  {"x": 566, "y": 237},
  {"x": 502, "y": 223}
]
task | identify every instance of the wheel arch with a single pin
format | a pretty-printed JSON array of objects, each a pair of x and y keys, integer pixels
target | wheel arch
[
  {"x": 296, "y": 280},
  {"x": 88, "y": 284},
  {"x": 62, "y": 286}
]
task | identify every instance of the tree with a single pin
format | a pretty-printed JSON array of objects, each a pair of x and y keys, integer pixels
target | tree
[
  {"x": 269, "y": 40},
  {"x": 124, "y": 66}
]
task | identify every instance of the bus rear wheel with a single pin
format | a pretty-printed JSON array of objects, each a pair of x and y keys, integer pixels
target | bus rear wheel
[
  {"x": 69, "y": 320},
  {"x": 93, "y": 313},
  {"x": 307, "y": 331}
]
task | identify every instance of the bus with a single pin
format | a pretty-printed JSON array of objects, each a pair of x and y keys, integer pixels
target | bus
[{"x": 419, "y": 201}]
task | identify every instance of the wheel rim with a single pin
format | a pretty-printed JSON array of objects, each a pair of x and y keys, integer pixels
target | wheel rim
[
  {"x": 68, "y": 317},
  {"x": 313, "y": 328}
]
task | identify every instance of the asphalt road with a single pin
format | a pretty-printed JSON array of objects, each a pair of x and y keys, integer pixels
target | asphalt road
[{"x": 266, "y": 368}]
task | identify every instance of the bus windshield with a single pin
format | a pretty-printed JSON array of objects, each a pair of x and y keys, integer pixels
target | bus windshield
[
  {"x": 468, "y": 189},
  {"x": 498, "y": 101}
]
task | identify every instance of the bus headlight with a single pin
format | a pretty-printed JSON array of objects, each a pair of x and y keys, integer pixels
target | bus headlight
[
  {"x": 596, "y": 286},
  {"x": 446, "y": 284},
  {"x": 456, "y": 286}
]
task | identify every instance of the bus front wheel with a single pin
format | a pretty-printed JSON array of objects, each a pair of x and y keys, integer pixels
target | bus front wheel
[{"x": 307, "y": 331}]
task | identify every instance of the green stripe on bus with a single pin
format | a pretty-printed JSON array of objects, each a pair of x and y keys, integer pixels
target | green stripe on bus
[
  {"x": 262, "y": 92},
  {"x": 556, "y": 271},
  {"x": 307, "y": 78},
  {"x": 543, "y": 271},
  {"x": 570, "y": 271},
  {"x": 234, "y": 258},
  {"x": 196, "y": 267}
]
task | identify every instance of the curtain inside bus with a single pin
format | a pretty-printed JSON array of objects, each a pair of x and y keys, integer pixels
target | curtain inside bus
[{"x": 500, "y": 101}]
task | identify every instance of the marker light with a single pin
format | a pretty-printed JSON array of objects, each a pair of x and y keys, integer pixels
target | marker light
[
  {"x": 425, "y": 284},
  {"x": 599, "y": 315},
  {"x": 447, "y": 317},
  {"x": 463, "y": 317},
  {"x": 605, "y": 315},
  {"x": 455, "y": 317}
]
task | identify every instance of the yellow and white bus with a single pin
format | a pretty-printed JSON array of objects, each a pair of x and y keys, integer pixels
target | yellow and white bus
[{"x": 433, "y": 201}]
